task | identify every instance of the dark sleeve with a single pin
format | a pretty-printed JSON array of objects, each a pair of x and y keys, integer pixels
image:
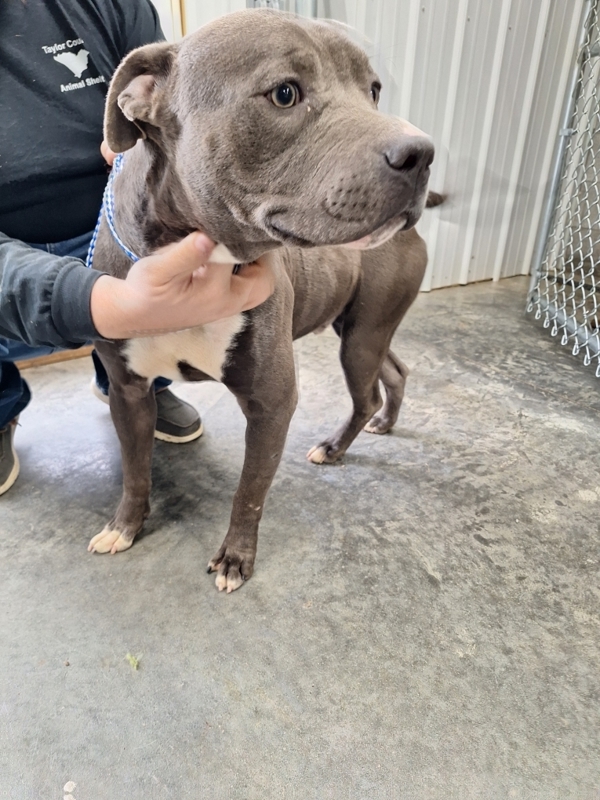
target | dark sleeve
[
  {"x": 141, "y": 24},
  {"x": 44, "y": 299}
]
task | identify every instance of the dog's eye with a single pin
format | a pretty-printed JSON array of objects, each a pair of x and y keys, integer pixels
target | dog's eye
[
  {"x": 285, "y": 95},
  {"x": 375, "y": 92}
]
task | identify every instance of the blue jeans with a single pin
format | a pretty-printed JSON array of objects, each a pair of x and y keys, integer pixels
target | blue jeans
[{"x": 14, "y": 391}]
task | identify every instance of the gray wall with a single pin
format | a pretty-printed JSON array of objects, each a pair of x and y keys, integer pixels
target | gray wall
[{"x": 486, "y": 79}]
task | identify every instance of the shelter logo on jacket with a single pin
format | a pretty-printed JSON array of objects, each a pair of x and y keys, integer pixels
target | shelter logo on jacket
[
  {"x": 56, "y": 60},
  {"x": 75, "y": 60}
]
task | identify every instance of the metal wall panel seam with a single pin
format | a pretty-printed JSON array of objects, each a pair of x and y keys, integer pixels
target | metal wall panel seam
[
  {"x": 361, "y": 7},
  {"x": 551, "y": 68},
  {"x": 486, "y": 137},
  {"x": 480, "y": 35},
  {"x": 444, "y": 144},
  {"x": 423, "y": 66},
  {"x": 433, "y": 69},
  {"x": 377, "y": 58},
  {"x": 393, "y": 91},
  {"x": 427, "y": 20},
  {"x": 432, "y": 65},
  {"x": 524, "y": 122},
  {"x": 551, "y": 141},
  {"x": 520, "y": 38},
  {"x": 409, "y": 58},
  {"x": 196, "y": 14},
  {"x": 378, "y": 23},
  {"x": 352, "y": 13}
]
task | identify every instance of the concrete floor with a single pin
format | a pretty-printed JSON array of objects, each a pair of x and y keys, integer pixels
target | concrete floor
[{"x": 423, "y": 622}]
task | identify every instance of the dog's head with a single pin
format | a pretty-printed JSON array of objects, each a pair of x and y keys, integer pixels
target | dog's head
[{"x": 269, "y": 125}]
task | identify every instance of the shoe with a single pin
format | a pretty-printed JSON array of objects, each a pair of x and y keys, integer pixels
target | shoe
[
  {"x": 97, "y": 392},
  {"x": 176, "y": 421},
  {"x": 9, "y": 460}
]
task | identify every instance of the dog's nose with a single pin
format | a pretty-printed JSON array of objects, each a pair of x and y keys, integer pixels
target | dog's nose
[{"x": 410, "y": 154}]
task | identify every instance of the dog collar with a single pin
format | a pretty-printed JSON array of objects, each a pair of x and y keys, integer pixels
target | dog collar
[{"x": 107, "y": 209}]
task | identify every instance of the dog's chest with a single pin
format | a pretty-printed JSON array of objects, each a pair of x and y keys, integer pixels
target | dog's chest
[{"x": 205, "y": 349}]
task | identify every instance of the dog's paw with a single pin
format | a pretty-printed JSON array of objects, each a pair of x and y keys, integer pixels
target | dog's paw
[
  {"x": 111, "y": 541},
  {"x": 233, "y": 568},
  {"x": 323, "y": 454},
  {"x": 378, "y": 424}
]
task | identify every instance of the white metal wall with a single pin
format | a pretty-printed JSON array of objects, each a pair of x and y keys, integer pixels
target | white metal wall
[
  {"x": 199, "y": 12},
  {"x": 486, "y": 79}
]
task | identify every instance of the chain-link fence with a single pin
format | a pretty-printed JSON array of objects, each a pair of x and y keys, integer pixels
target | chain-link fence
[{"x": 565, "y": 288}]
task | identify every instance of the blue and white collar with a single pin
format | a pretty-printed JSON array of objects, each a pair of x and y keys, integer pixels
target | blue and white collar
[{"x": 108, "y": 210}]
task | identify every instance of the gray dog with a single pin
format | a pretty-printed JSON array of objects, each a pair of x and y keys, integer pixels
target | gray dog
[{"x": 262, "y": 130}]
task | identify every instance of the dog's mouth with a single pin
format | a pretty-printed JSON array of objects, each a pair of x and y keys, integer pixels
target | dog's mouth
[
  {"x": 378, "y": 237},
  {"x": 382, "y": 234},
  {"x": 285, "y": 236}
]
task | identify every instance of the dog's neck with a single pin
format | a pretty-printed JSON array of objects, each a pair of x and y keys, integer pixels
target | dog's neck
[{"x": 152, "y": 210}]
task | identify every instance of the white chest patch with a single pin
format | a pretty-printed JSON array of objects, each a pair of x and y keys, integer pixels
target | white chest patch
[{"x": 204, "y": 348}]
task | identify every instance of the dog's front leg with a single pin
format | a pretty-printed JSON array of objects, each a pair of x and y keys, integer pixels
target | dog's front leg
[
  {"x": 133, "y": 410},
  {"x": 268, "y": 419}
]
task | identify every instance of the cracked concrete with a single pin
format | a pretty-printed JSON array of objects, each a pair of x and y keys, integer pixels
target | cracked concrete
[{"x": 423, "y": 622}]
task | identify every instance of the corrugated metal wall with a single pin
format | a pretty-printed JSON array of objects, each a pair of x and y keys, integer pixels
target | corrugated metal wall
[{"x": 486, "y": 79}]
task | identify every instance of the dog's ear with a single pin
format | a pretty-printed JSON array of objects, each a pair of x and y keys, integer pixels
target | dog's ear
[{"x": 135, "y": 94}]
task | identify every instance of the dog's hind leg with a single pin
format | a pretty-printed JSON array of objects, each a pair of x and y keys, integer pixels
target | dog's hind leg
[
  {"x": 393, "y": 375},
  {"x": 362, "y": 354},
  {"x": 133, "y": 409}
]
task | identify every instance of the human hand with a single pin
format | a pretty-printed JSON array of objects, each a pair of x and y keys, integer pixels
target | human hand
[
  {"x": 176, "y": 288},
  {"x": 107, "y": 153}
]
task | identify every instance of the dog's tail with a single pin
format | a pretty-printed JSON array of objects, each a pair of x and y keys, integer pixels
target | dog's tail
[{"x": 434, "y": 199}]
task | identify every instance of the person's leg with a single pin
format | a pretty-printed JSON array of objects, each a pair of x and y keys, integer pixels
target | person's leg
[
  {"x": 176, "y": 421},
  {"x": 14, "y": 396},
  {"x": 14, "y": 391}
]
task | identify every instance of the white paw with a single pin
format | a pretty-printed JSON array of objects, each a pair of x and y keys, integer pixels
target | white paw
[
  {"x": 109, "y": 541},
  {"x": 232, "y": 571},
  {"x": 317, "y": 454},
  {"x": 228, "y": 583},
  {"x": 221, "y": 582},
  {"x": 376, "y": 426}
]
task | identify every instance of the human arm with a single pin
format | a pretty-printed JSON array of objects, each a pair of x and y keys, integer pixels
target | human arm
[
  {"x": 176, "y": 288},
  {"x": 44, "y": 299},
  {"x": 48, "y": 300}
]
